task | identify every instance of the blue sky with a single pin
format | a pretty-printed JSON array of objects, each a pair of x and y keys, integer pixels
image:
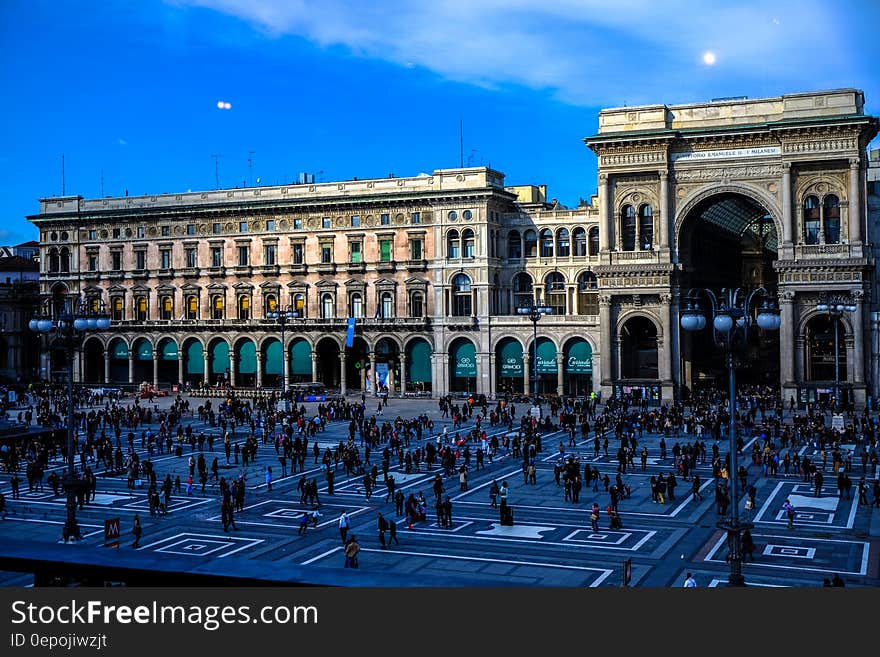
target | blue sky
[{"x": 343, "y": 89}]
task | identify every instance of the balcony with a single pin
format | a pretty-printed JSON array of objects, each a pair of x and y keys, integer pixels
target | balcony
[
  {"x": 619, "y": 257},
  {"x": 269, "y": 270},
  {"x": 357, "y": 267},
  {"x": 386, "y": 266},
  {"x": 416, "y": 265},
  {"x": 379, "y": 324},
  {"x": 242, "y": 270},
  {"x": 116, "y": 275},
  {"x": 217, "y": 272},
  {"x": 298, "y": 269},
  {"x": 808, "y": 251},
  {"x": 325, "y": 268},
  {"x": 188, "y": 272},
  {"x": 91, "y": 275},
  {"x": 167, "y": 272}
]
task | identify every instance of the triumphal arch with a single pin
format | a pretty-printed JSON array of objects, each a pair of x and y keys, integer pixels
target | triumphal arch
[{"x": 735, "y": 192}]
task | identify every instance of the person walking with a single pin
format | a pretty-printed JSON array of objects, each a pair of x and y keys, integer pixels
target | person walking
[
  {"x": 493, "y": 494},
  {"x": 695, "y": 487},
  {"x": 690, "y": 582},
  {"x": 352, "y": 548},
  {"x": 392, "y": 532},
  {"x": 137, "y": 531},
  {"x": 789, "y": 513},
  {"x": 344, "y": 524},
  {"x": 748, "y": 546},
  {"x": 382, "y": 526},
  {"x": 269, "y": 479},
  {"x": 594, "y": 517}
]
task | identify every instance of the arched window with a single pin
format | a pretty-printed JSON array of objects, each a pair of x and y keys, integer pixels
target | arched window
[
  {"x": 54, "y": 261},
  {"x": 531, "y": 243},
  {"x": 831, "y": 211},
  {"x": 461, "y": 296},
  {"x": 327, "y": 306},
  {"x": 141, "y": 309},
  {"x": 594, "y": 241},
  {"x": 812, "y": 220},
  {"x": 467, "y": 243},
  {"x": 646, "y": 227},
  {"x": 244, "y": 307},
  {"x": 588, "y": 295},
  {"x": 453, "y": 245},
  {"x": 386, "y": 304},
  {"x": 65, "y": 260},
  {"x": 514, "y": 245},
  {"x": 580, "y": 242},
  {"x": 546, "y": 243},
  {"x": 271, "y": 303},
  {"x": 192, "y": 307},
  {"x": 563, "y": 243},
  {"x": 299, "y": 305},
  {"x": 627, "y": 228},
  {"x": 416, "y": 304},
  {"x": 217, "y": 306},
  {"x": 166, "y": 307},
  {"x": 118, "y": 309},
  {"x": 554, "y": 287},
  {"x": 357, "y": 305},
  {"x": 523, "y": 294}
]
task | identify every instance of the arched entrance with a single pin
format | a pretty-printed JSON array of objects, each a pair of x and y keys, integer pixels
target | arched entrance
[
  {"x": 418, "y": 365},
  {"x": 218, "y": 355},
  {"x": 327, "y": 351},
  {"x": 509, "y": 366},
  {"x": 300, "y": 361},
  {"x": 273, "y": 362},
  {"x": 193, "y": 362},
  {"x": 168, "y": 357},
  {"x": 821, "y": 368},
  {"x": 387, "y": 364},
  {"x": 245, "y": 363},
  {"x": 462, "y": 366},
  {"x": 545, "y": 369},
  {"x": 93, "y": 361},
  {"x": 577, "y": 363},
  {"x": 728, "y": 240},
  {"x": 143, "y": 361},
  {"x": 357, "y": 361},
  {"x": 118, "y": 352}
]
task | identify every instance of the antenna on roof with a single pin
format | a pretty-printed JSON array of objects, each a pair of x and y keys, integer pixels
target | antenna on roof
[
  {"x": 216, "y": 170},
  {"x": 251, "y": 166},
  {"x": 102, "y": 183},
  {"x": 62, "y": 175},
  {"x": 460, "y": 142}
]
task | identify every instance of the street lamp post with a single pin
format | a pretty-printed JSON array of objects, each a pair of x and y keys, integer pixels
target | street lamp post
[
  {"x": 731, "y": 318},
  {"x": 836, "y": 306},
  {"x": 282, "y": 317},
  {"x": 534, "y": 313},
  {"x": 67, "y": 321}
]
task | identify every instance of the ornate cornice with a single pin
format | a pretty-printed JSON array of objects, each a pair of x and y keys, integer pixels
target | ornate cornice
[{"x": 726, "y": 173}]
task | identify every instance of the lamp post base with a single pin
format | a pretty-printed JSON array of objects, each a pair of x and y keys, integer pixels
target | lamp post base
[{"x": 734, "y": 528}]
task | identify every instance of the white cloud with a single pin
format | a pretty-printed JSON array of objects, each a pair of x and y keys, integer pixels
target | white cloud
[
  {"x": 121, "y": 141},
  {"x": 589, "y": 52}
]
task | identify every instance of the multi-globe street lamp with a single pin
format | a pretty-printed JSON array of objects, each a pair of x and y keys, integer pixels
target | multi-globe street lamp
[
  {"x": 836, "y": 306},
  {"x": 535, "y": 312},
  {"x": 66, "y": 322},
  {"x": 283, "y": 317},
  {"x": 732, "y": 322}
]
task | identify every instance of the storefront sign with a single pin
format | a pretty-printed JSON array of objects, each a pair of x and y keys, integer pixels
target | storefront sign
[{"x": 726, "y": 153}]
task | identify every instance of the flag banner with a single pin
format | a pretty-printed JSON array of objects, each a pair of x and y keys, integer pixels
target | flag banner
[{"x": 349, "y": 338}]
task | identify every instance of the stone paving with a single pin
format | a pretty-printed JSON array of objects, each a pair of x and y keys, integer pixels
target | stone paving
[{"x": 550, "y": 544}]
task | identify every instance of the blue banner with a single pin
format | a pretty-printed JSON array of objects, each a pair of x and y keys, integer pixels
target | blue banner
[{"x": 349, "y": 338}]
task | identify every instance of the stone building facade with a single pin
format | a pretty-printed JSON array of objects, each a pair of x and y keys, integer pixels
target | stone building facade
[{"x": 731, "y": 193}]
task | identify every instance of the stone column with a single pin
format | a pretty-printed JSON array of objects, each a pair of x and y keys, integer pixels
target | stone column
[
  {"x": 786, "y": 203},
  {"x": 855, "y": 207},
  {"x": 106, "y": 367},
  {"x": 342, "y": 373},
  {"x": 155, "y": 369},
  {"x": 786, "y": 339},
  {"x": 606, "y": 343},
  {"x": 259, "y": 370},
  {"x": 800, "y": 370},
  {"x": 560, "y": 373},
  {"x": 77, "y": 365},
  {"x": 402, "y": 374},
  {"x": 604, "y": 202},
  {"x": 179, "y": 367},
  {"x": 527, "y": 374},
  {"x": 664, "y": 347},
  {"x": 858, "y": 320},
  {"x": 285, "y": 356},
  {"x": 206, "y": 372},
  {"x": 374, "y": 388},
  {"x": 665, "y": 224},
  {"x": 232, "y": 359},
  {"x": 130, "y": 367},
  {"x": 675, "y": 337},
  {"x": 314, "y": 366}
]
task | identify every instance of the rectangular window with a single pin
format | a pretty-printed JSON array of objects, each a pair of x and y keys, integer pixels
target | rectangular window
[
  {"x": 140, "y": 260},
  {"x": 325, "y": 222},
  {"x": 242, "y": 226},
  {"x": 243, "y": 256},
  {"x": 297, "y": 254},
  {"x": 298, "y": 224},
  {"x": 93, "y": 262},
  {"x": 93, "y": 234},
  {"x": 417, "y": 217},
  {"x": 269, "y": 254},
  {"x": 116, "y": 233},
  {"x": 165, "y": 257},
  {"x": 166, "y": 231},
  {"x": 355, "y": 252},
  {"x": 190, "y": 229},
  {"x": 192, "y": 257},
  {"x": 385, "y": 219},
  {"x": 116, "y": 260},
  {"x": 141, "y": 232},
  {"x": 415, "y": 249},
  {"x": 216, "y": 228},
  {"x": 355, "y": 220},
  {"x": 270, "y": 224},
  {"x": 385, "y": 250},
  {"x": 327, "y": 252},
  {"x": 216, "y": 256}
]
